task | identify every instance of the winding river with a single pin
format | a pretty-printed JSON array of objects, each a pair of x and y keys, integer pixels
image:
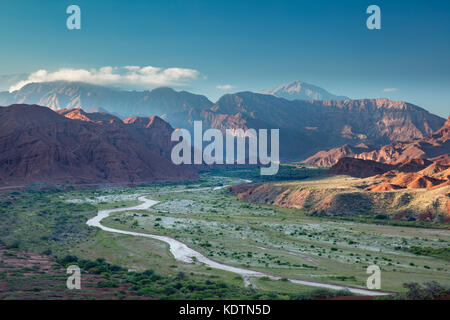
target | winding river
[{"x": 183, "y": 253}]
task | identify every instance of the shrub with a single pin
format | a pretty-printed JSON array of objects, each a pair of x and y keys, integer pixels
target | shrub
[
  {"x": 68, "y": 259},
  {"x": 108, "y": 284},
  {"x": 428, "y": 291}
]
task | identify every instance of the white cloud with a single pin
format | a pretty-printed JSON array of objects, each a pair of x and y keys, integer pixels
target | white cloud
[
  {"x": 147, "y": 77},
  {"x": 390, "y": 90},
  {"x": 225, "y": 87}
]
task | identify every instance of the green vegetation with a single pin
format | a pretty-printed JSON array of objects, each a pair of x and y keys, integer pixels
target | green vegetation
[
  {"x": 428, "y": 291},
  {"x": 286, "y": 172},
  {"x": 182, "y": 286},
  {"x": 443, "y": 253},
  {"x": 281, "y": 241},
  {"x": 42, "y": 220},
  {"x": 288, "y": 242},
  {"x": 390, "y": 222}
]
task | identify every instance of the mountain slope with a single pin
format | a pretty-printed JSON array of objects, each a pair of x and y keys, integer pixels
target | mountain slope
[
  {"x": 298, "y": 90},
  {"x": 435, "y": 145},
  {"x": 331, "y": 157},
  {"x": 74, "y": 147},
  {"x": 308, "y": 126}
]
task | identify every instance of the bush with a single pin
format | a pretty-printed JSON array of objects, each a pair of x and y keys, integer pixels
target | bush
[
  {"x": 108, "y": 284},
  {"x": 181, "y": 276},
  {"x": 14, "y": 245},
  {"x": 68, "y": 259},
  {"x": 443, "y": 253},
  {"x": 428, "y": 291},
  {"x": 47, "y": 252}
]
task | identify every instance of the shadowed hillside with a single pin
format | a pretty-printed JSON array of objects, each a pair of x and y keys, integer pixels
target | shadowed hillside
[{"x": 75, "y": 147}]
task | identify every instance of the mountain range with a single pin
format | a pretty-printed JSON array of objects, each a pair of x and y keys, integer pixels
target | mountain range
[
  {"x": 306, "y": 127},
  {"x": 162, "y": 102},
  {"x": 431, "y": 146},
  {"x": 75, "y": 147}
]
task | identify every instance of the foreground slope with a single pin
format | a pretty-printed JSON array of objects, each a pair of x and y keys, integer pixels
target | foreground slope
[{"x": 345, "y": 196}]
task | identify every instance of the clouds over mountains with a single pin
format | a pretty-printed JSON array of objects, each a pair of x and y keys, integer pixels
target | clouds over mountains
[{"x": 146, "y": 77}]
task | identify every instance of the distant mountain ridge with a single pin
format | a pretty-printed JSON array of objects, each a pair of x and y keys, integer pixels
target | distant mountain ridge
[
  {"x": 68, "y": 95},
  {"x": 305, "y": 126},
  {"x": 298, "y": 90}
]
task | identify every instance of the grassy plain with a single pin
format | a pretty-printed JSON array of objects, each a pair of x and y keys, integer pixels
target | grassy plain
[
  {"x": 280, "y": 241},
  {"x": 287, "y": 242}
]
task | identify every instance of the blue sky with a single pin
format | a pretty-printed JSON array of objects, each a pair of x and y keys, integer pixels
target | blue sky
[{"x": 248, "y": 44}]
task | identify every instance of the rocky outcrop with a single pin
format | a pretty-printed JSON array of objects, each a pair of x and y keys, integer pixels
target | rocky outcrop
[
  {"x": 331, "y": 157},
  {"x": 383, "y": 187},
  {"x": 410, "y": 180},
  {"x": 413, "y": 174},
  {"x": 359, "y": 168}
]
